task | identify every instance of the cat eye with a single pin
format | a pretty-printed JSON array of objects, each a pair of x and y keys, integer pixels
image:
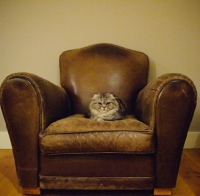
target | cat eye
[{"x": 107, "y": 103}]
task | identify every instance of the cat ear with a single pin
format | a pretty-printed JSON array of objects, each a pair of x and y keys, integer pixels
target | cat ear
[
  {"x": 112, "y": 96},
  {"x": 94, "y": 96}
]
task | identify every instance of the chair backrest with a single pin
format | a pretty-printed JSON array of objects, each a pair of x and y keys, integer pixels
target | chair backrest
[{"x": 103, "y": 68}]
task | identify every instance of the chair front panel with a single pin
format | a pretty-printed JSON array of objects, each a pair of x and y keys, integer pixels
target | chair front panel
[{"x": 98, "y": 165}]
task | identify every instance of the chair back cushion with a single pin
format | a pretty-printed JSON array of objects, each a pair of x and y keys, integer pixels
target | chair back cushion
[{"x": 103, "y": 68}]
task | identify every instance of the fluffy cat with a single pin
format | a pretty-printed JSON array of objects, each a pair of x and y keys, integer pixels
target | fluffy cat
[{"x": 106, "y": 106}]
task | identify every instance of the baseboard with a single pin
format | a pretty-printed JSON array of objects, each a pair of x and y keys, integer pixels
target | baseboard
[
  {"x": 192, "y": 140},
  {"x": 4, "y": 140}
]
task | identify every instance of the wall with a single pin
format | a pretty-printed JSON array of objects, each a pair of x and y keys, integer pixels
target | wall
[{"x": 33, "y": 34}]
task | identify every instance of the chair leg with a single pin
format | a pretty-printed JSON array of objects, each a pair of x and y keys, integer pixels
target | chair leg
[
  {"x": 159, "y": 191},
  {"x": 31, "y": 191}
]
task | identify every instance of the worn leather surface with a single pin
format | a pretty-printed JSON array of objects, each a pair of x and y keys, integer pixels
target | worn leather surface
[
  {"x": 96, "y": 183},
  {"x": 167, "y": 105},
  {"x": 77, "y": 134},
  {"x": 103, "y": 68},
  {"x": 98, "y": 165},
  {"x": 30, "y": 104}
]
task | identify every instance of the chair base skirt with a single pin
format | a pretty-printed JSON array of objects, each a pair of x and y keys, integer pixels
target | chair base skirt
[
  {"x": 37, "y": 191},
  {"x": 97, "y": 183}
]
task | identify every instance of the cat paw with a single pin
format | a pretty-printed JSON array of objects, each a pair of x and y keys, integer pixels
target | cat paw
[{"x": 99, "y": 119}]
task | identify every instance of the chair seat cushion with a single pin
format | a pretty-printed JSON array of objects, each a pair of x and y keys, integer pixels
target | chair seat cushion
[{"x": 77, "y": 134}]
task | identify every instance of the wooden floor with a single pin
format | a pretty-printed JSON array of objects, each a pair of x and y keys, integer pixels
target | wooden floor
[{"x": 188, "y": 183}]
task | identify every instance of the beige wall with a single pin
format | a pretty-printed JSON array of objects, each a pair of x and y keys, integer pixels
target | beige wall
[{"x": 34, "y": 32}]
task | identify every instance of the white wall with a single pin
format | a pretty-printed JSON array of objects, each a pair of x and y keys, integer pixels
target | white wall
[{"x": 33, "y": 33}]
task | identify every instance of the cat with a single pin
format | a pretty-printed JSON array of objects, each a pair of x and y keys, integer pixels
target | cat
[{"x": 106, "y": 107}]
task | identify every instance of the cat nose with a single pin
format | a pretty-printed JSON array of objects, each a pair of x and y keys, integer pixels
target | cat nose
[{"x": 103, "y": 107}]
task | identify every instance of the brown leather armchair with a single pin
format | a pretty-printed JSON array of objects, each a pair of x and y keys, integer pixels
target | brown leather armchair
[{"x": 56, "y": 147}]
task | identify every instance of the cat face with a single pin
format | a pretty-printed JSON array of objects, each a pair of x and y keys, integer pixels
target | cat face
[
  {"x": 103, "y": 102},
  {"x": 105, "y": 106}
]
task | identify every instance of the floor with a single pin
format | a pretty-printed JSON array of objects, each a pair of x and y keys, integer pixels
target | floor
[{"x": 188, "y": 182}]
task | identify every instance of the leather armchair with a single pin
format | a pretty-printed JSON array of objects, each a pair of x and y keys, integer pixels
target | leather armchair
[{"x": 56, "y": 147}]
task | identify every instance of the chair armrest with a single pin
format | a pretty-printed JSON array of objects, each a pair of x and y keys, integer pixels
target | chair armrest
[
  {"x": 167, "y": 105},
  {"x": 29, "y": 104}
]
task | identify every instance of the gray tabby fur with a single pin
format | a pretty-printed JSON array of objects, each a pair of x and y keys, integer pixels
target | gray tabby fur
[{"x": 106, "y": 106}]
